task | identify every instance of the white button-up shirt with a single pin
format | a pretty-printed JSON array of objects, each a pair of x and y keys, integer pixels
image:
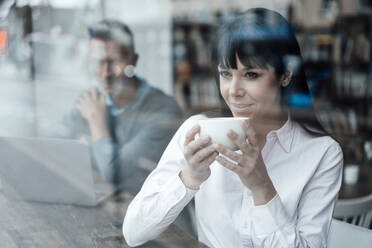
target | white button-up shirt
[{"x": 305, "y": 171}]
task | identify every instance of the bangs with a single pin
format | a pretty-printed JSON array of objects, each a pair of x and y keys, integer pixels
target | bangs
[
  {"x": 229, "y": 60},
  {"x": 252, "y": 53}
]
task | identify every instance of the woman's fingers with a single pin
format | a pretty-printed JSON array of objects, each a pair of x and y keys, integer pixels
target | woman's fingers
[
  {"x": 190, "y": 135},
  {"x": 203, "y": 154},
  {"x": 229, "y": 165},
  {"x": 239, "y": 141},
  {"x": 209, "y": 160},
  {"x": 249, "y": 131},
  {"x": 196, "y": 145},
  {"x": 228, "y": 153}
]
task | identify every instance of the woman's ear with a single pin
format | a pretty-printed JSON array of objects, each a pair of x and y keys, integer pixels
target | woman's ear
[{"x": 285, "y": 79}]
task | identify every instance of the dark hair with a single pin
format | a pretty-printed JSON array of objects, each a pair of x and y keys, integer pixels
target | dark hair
[
  {"x": 113, "y": 30},
  {"x": 262, "y": 37}
]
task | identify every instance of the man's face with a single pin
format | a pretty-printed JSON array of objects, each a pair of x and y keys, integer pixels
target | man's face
[{"x": 109, "y": 63}]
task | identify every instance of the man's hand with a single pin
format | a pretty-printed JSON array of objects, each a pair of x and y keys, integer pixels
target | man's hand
[{"x": 92, "y": 107}]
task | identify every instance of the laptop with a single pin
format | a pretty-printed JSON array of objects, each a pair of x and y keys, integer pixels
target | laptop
[{"x": 50, "y": 170}]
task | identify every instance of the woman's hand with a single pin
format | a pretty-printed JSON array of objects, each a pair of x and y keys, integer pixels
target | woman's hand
[
  {"x": 249, "y": 165},
  {"x": 199, "y": 154}
]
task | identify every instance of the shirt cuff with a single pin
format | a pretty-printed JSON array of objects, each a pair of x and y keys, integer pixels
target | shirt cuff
[
  {"x": 103, "y": 152},
  {"x": 270, "y": 217},
  {"x": 177, "y": 193}
]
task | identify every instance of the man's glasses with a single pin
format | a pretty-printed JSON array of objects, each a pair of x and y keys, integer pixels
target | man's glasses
[{"x": 117, "y": 66}]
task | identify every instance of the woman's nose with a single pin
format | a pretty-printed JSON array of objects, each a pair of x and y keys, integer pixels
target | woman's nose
[{"x": 236, "y": 88}]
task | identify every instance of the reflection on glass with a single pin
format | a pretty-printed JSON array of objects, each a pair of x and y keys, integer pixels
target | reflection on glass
[{"x": 96, "y": 89}]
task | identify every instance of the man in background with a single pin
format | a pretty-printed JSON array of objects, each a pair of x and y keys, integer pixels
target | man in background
[{"x": 128, "y": 122}]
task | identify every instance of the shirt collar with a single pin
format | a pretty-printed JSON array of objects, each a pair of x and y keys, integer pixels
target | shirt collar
[
  {"x": 135, "y": 103},
  {"x": 284, "y": 135}
]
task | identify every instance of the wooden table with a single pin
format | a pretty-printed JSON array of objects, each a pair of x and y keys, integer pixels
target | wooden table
[{"x": 39, "y": 225}]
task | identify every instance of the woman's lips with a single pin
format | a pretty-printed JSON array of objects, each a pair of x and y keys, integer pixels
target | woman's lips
[{"x": 240, "y": 107}]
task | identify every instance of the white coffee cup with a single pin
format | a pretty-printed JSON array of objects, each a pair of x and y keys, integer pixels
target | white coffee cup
[
  {"x": 351, "y": 173},
  {"x": 217, "y": 129}
]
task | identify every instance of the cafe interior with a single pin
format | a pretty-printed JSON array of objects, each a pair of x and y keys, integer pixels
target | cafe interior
[{"x": 45, "y": 66}]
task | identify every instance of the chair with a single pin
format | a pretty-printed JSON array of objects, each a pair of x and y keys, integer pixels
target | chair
[
  {"x": 356, "y": 211},
  {"x": 345, "y": 235}
]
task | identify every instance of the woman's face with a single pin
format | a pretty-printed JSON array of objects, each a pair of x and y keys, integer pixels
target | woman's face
[{"x": 250, "y": 92}]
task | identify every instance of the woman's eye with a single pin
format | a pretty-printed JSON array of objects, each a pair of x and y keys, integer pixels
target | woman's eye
[
  {"x": 225, "y": 73},
  {"x": 251, "y": 75}
]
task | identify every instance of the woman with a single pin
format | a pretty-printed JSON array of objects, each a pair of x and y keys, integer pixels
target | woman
[{"x": 279, "y": 190}]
